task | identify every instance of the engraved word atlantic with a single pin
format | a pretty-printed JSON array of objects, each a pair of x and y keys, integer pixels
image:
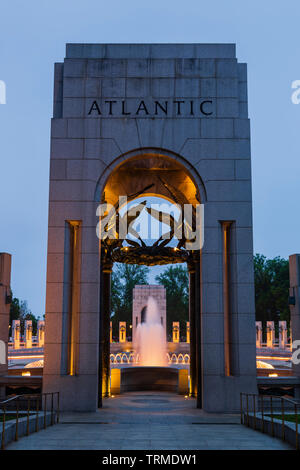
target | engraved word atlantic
[{"x": 150, "y": 108}]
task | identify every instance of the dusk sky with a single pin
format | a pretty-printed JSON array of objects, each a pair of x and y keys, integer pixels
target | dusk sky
[{"x": 33, "y": 35}]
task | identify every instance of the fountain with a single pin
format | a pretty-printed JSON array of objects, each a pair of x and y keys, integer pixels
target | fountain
[
  {"x": 150, "y": 343},
  {"x": 152, "y": 371}
]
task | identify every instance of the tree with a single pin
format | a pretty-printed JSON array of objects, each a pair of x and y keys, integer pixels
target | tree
[
  {"x": 176, "y": 282},
  {"x": 271, "y": 278},
  {"x": 124, "y": 278},
  {"x": 15, "y": 310}
]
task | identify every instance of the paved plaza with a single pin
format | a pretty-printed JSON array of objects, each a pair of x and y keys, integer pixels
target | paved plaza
[{"x": 144, "y": 420}]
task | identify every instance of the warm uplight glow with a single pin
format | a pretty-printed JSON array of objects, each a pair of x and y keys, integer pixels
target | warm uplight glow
[
  {"x": 39, "y": 363},
  {"x": 263, "y": 365},
  {"x": 34, "y": 356},
  {"x": 133, "y": 358},
  {"x": 273, "y": 375},
  {"x": 26, "y": 374},
  {"x": 274, "y": 358}
]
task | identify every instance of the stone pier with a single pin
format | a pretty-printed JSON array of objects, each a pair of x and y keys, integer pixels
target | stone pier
[
  {"x": 175, "y": 332},
  {"x": 28, "y": 334},
  {"x": 41, "y": 333},
  {"x": 16, "y": 334},
  {"x": 294, "y": 301},
  {"x": 173, "y": 118},
  {"x": 5, "y": 301}
]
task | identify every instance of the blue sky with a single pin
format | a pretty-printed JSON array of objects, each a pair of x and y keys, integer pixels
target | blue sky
[{"x": 33, "y": 36}]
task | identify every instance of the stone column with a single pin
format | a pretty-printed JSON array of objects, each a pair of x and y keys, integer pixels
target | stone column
[
  {"x": 198, "y": 333},
  {"x": 5, "y": 300},
  {"x": 270, "y": 334},
  {"x": 187, "y": 331},
  {"x": 41, "y": 333},
  {"x": 192, "y": 323},
  {"x": 122, "y": 331},
  {"x": 175, "y": 331},
  {"x": 28, "y": 334},
  {"x": 105, "y": 329},
  {"x": 294, "y": 301},
  {"x": 282, "y": 334},
  {"x": 16, "y": 334},
  {"x": 258, "y": 334},
  {"x": 290, "y": 339}
]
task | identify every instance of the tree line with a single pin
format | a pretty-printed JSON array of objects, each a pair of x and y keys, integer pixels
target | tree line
[
  {"x": 126, "y": 276},
  {"x": 271, "y": 278}
]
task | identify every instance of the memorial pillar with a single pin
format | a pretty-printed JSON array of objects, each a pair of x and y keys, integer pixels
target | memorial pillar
[
  {"x": 5, "y": 301},
  {"x": 294, "y": 302},
  {"x": 122, "y": 331},
  {"x": 192, "y": 324},
  {"x": 270, "y": 334},
  {"x": 28, "y": 334},
  {"x": 258, "y": 334},
  {"x": 198, "y": 332},
  {"x": 175, "y": 332},
  {"x": 41, "y": 333},
  {"x": 282, "y": 334},
  {"x": 187, "y": 331},
  {"x": 16, "y": 334},
  {"x": 104, "y": 363}
]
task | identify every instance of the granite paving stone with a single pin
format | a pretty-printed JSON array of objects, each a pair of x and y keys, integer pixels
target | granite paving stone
[{"x": 125, "y": 424}]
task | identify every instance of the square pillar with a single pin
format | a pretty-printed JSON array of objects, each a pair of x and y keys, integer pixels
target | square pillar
[
  {"x": 270, "y": 334},
  {"x": 175, "y": 332},
  {"x": 187, "y": 331},
  {"x": 28, "y": 334},
  {"x": 16, "y": 334},
  {"x": 294, "y": 301},
  {"x": 258, "y": 325},
  {"x": 282, "y": 334},
  {"x": 41, "y": 333},
  {"x": 5, "y": 300},
  {"x": 227, "y": 283},
  {"x": 122, "y": 331}
]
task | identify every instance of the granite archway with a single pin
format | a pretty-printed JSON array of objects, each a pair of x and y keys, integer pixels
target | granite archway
[{"x": 143, "y": 174}]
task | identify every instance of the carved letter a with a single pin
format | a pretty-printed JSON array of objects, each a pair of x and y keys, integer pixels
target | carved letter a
[{"x": 94, "y": 107}]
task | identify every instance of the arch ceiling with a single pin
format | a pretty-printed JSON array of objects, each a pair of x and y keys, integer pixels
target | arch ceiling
[{"x": 151, "y": 175}]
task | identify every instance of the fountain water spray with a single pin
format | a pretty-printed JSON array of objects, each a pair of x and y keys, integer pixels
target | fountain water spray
[{"x": 150, "y": 343}]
